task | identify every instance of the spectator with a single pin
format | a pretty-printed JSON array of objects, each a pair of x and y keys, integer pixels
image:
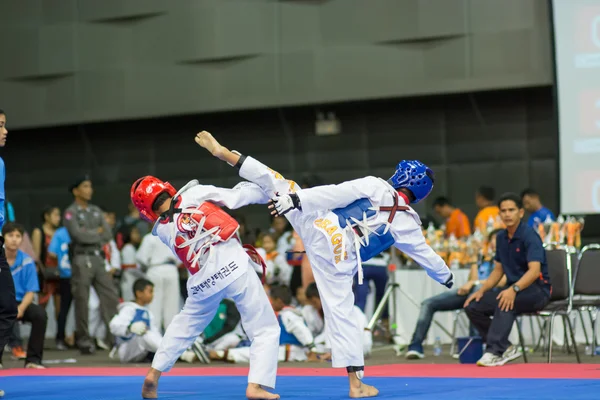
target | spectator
[
  {"x": 26, "y": 286},
  {"x": 134, "y": 326},
  {"x": 296, "y": 341},
  {"x": 314, "y": 317},
  {"x": 130, "y": 270},
  {"x": 49, "y": 273},
  {"x": 89, "y": 232},
  {"x": 59, "y": 250},
  {"x": 520, "y": 256},
  {"x": 457, "y": 223},
  {"x": 161, "y": 267},
  {"x": 488, "y": 210},
  {"x": 452, "y": 300},
  {"x": 533, "y": 205},
  {"x": 375, "y": 270},
  {"x": 278, "y": 270}
]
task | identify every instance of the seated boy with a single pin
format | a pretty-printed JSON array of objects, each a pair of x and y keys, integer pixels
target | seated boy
[
  {"x": 27, "y": 285},
  {"x": 135, "y": 329},
  {"x": 295, "y": 342},
  {"x": 313, "y": 315}
]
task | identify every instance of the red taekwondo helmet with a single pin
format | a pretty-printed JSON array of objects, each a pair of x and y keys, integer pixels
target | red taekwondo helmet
[{"x": 144, "y": 192}]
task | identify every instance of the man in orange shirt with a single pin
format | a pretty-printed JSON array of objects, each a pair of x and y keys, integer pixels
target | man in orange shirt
[
  {"x": 457, "y": 222},
  {"x": 484, "y": 198}
]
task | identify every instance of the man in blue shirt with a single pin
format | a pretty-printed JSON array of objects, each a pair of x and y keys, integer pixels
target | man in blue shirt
[
  {"x": 59, "y": 249},
  {"x": 520, "y": 255},
  {"x": 22, "y": 268},
  {"x": 8, "y": 303},
  {"x": 538, "y": 214}
]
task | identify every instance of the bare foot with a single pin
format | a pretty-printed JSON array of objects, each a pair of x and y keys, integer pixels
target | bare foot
[
  {"x": 255, "y": 392},
  {"x": 206, "y": 140},
  {"x": 363, "y": 391},
  {"x": 151, "y": 385}
]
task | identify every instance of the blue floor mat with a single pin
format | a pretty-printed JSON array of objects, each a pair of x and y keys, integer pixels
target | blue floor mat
[{"x": 296, "y": 388}]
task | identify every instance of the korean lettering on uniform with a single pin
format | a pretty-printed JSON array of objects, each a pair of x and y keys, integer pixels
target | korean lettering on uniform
[{"x": 212, "y": 280}]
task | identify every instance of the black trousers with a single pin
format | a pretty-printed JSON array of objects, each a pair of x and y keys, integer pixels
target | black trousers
[
  {"x": 66, "y": 298},
  {"x": 36, "y": 315},
  {"x": 495, "y": 331},
  {"x": 8, "y": 302}
]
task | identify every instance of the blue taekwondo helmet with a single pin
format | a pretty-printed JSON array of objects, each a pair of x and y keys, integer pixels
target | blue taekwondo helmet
[{"x": 414, "y": 176}]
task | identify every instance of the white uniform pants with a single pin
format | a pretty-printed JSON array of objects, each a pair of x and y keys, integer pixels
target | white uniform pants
[
  {"x": 286, "y": 353},
  {"x": 137, "y": 348},
  {"x": 96, "y": 326},
  {"x": 257, "y": 317},
  {"x": 166, "y": 302}
]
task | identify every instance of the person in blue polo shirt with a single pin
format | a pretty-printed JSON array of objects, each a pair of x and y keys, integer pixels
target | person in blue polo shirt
[
  {"x": 26, "y": 281},
  {"x": 538, "y": 214},
  {"x": 520, "y": 255},
  {"x": 59, "y": 248}
]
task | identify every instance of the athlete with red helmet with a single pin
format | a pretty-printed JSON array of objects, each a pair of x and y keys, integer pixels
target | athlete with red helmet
[{"x": 191, "y": 222}]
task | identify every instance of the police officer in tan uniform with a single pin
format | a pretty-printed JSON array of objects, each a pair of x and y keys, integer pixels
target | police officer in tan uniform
[{"x": 89, "y": 231}]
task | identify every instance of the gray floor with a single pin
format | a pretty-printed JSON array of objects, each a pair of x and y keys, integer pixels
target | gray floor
[{"x": 382, "y": 354}]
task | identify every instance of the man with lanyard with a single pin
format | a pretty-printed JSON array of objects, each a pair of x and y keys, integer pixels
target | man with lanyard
[
  {"x": 520, "y": 255},
  {"x": 8, "y": 301}
]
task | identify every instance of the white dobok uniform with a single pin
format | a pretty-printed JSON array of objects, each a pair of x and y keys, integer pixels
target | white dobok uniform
[
  {"x": 332, "y": 250},
  {"x": 293, "y": 343},
  {"x": 220, "y": 269},
  {"x": 132, "y": 347}
]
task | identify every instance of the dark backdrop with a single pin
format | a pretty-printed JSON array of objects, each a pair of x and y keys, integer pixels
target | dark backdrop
[{"x": 504, "y": 139}]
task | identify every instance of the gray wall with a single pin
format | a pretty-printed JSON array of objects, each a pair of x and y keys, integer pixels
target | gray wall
[
  {"x": 73, "y": 61},
  {"x": 505, "y": 139}
]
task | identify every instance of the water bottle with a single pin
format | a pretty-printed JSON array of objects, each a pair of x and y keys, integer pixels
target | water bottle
[{"x": 437, "y": 347}]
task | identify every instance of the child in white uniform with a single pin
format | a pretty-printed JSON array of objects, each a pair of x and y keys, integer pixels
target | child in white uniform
[
  {"x": 295, "y": 342},
  {"x": 191, "y": 223},
  {"x": 135, "y": 329}
]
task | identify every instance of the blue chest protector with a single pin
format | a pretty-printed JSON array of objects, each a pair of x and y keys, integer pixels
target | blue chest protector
[
  {"x": 378, "y": 241},
  {"x": 140, "y": 315},
  {"x": 285, "y": 337}
]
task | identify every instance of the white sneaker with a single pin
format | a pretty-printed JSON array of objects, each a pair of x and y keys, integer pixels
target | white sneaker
[
  {"x": 490, "y": 360},
  {"x": 512, "y": 353},
  {"x": 414, "y": 355}
]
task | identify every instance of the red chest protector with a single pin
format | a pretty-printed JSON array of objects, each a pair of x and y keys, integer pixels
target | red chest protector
[{"x": 187, "y": 225}]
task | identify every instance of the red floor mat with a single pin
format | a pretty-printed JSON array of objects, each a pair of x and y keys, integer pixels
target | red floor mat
[{"x": 540, "y": 371}]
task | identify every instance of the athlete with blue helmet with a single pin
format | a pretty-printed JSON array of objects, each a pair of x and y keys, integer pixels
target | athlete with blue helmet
[{"x": 340, "y": 226}]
